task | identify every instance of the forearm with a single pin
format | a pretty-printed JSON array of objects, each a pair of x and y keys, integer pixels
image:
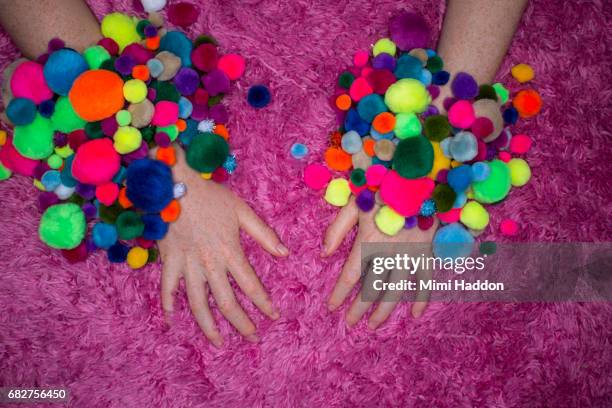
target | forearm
[{"x": 32, "y": 23}]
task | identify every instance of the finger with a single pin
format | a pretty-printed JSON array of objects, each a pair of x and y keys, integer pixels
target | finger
[
  {"x": 260, "y": 231},
  {"x": 358, "y": 308},
  {"x": 422, "y": 297},
  {"x": 351, "y": 272},
  {"x": 197, "y": 293},
  {"x": 249, "y": 283},
  {"x": 344, "y": 222},
  {"x": 229, "y": 307},
  {"x": 388, "y": 301},
  {"x": 170, "y": 278}
]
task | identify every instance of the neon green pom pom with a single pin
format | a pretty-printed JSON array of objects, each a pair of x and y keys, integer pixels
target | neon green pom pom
[
  {"x": 127, "y": 139},
  {"x": 495, "y": 187},
  {"x": 64, "y": 151},
  {"x": 62, "y": 226},
  {"x": 135, "y": 90},
  {"x": 4, "y": 172},
  {"x": 407, "y": 96},
  {"x": 388, "y": 221},
  {"x": 384, "y": 45},
  {"x": 35, "y": 140},
  {"x": 55, "y": 161},
  {"x": 95, "y": 56},
  {"x": 407, "y": 125},
  {"x": 502, "y": 93},
  {"x": 520, "y": 173},
  {"x": 123, "y": 117},
  {"x": 121, "y": 28},
  {"x": 64, "y": 117},
  {"x": 171, "y": 130},
  {"x": 338, "y": 192},
  {"x": 474, "y": 216}
]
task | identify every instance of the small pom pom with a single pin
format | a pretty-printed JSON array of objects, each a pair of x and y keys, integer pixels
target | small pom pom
[
  {"x": 338, "y": 159},
  {"x": 34, "y": 140},
  {"x": 384, "y": 150},
  {"x": 440, "y": 78},
  {"x": 384, "y": 45},
  {"x": 351, "y": 142},
  {"x": 365, "y": 200},
  {"x": 107, "y": 193},
  {"x": 528, "y": 103},
  {"x": 62, "y": 68},
  {"x": 28, "y": 81},
  {"x": 405, "y": 196},
  {"x": 166, "y": 113},
  {"x": 153, "y": 5},
  {"x": 21, "y": 111},
  {"x": 137, "y": 257},
  {"x": 482, "y": 127},
  {"x": 474, "y": 216},
  {"x": 233, "y": 65},
  {"x": 444, "y": 197},
  {"x": 127, "y": 139},
  {"x": 375, "y": 175},
  {"x": 206, "y": 152},
  {"x": 502, "y": 93},
  {"x": 388, "y": 221},
  {"x": 463, "y": 146},
  {"x": 480, "y": 171},
  {"x": 298, "y": 151},
  {"x": 121, "y": 28},
  {"x": 407, "y": 96},
  {"x": 183, "y": 14},
  {"x": 510, "y": 115},
  {"x": 453, "y": 241},
  {"x": 360, "y": 88},
  {"x": 460, "y": 178},
  {"x": 258, "y": 96},
  {"x": 62, "y": 226},
  {"x": 104, "y": 235},
  {"x": 437, "y": 128},
  {"x": 154, "y": 227},
  {"x": 409, "y": 30},
  {"x": 509, "y": 227},
  {"x": 217, "y": 82},
  {"x": 520, "y": 173},
  {"x": 486, "y": 91},
  {"x": 149, "y": 185},
  {"x": 117, "y": 253},
  {"x": 495, "y": 187},
  {"x": 134, "y": 91},
  {"x": 360, "y": 59},
  {"x": 461, "y": 115},
  {"x": 520, "y": 144},
  {"x": 204, "y": 57},
  {"x": 338, "y": 192},
  {"x": 407, "y": 125},
  {"x": 522, "y": 73},
  {"x": 464, "y": 86}
]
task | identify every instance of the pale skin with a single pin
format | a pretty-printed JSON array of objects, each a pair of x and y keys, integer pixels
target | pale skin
[{"x": 475, "y": 37}]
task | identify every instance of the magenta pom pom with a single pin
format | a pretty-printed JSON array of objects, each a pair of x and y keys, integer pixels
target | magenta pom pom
[
  {"x": 316, "y": 176},
  {"x": 216, "y": 82},
  {"x": 183, "y": 14},
  {"x": 96, "y": 162},
  {"x": 405, "y": 196},
  {"x": 409, "y": 30}
]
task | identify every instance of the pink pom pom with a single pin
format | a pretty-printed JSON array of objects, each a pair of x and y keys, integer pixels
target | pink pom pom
[
  {"x": 375, "y": 175},
  {"x": 316, "y": 176},
  {"x": 107, "y": 193},
  {"x": 12, "y": 160},
  {"x": 356, "y": 189},
  {"x": 520, "y": 144},
  {"x": 166, "y": 113},
  {"x": 28, "y": 82},
  {"x": 461, "y": 114},
  {"x": 96, "y": 162},
  {"x": 361, "y": 58},
  {"x": 360, "y": 88},
  {"x": 365, "y": 71},
  {"x": 144, "y": 243},
  {"x": 450, "y": 216},
  {"x": 232, "y": 65},
  {"x": 504, "y": 156},
  {"x": 509, "y": 227},
  {"x": 183, "y": 14},
  {"x": 405, "y": 196}
]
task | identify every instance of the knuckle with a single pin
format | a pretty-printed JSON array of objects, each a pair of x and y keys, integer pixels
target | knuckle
[{"x": 226, "y": 306}]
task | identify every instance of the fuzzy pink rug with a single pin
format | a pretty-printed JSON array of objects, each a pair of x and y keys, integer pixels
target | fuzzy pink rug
[{"x": 98, "y": 329}]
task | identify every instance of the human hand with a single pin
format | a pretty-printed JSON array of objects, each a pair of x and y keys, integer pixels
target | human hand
[
  {"x": 351, "y": 272},
  {"x": 203, "y": 246}
]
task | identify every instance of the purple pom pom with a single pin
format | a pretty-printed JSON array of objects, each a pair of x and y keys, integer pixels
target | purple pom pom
[
  {"x": 55, "y": 44},
  {"x": 502, "y": 141},
  {"x": 431, "y": 110},
  {"x": 365, "y": 200},
  {"x": 150, "y": 31},
  {"x": 186, "y": 81},
  {"x": 162, "y": 139},
  {"x": 109, "y": 126},
  {"x": 216, "y": 82},
  {"x": 124, "y": 64},
  {"x": 137, "y": 154},
  {"x": 384, "y": 61},
  {"x": 86, "y": 191},
  {"x": 139, "y": 53},
  {"x": 200, "y": 112},
  {"x": 409, "y": 30},
  {"x": 90, "y": 211},
  {"x": 464, "y": 86},
  {"x": 218, "y": 113},
  {"x": 60, "y": 139},
  {"x": 410, "y": 222},
  {"x": 491, "y": 152}
]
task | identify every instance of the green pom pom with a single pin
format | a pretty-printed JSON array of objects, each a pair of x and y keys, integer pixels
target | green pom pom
[
  {"x": 345, "y": 80},
  {"x": 437, "y": 128},
  {"x": 413, "y": 157},
  {"x": 474, "y": 216},
  {"x": 502, "y": 93},
  {"x": 495, "y": 187},
  {"x": 148, "y": 133},
  {"x": 407, "y": 125},
  {"x": 94, "y": 130},
  {"x": 95, "y": 56},
  {"x": 63, "y": 226},
  {"x": 129, "y": 225},
  {"x": 444, "y": 197},
  {"x": 407, "y": 96},
  {"x": 213, "y": 100},
  {"x": 358, "y": 177},
  {"x": 205, "y": 39},
  {"x": 488, "y": 247},
  {"x": 140, "y": 27},
  {"x": 4, "y": 172},
  {"x": 109, "y": 64},
  {"x": 34, "y": 141},
  {"x": 109, "y": 214},
  {"x": 170, "y": 130},
  {"x": 486, "y": 91},
  {"x": 76, "y": 199},
  {"x": 165, "y": 91},
  {"x": 435, "y": 64},
  {"x": 64, "y": 117},
  {"x": 206, "y": 152}
]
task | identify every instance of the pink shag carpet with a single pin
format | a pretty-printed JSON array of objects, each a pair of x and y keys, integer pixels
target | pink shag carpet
[{"x": 98, "y": 329}]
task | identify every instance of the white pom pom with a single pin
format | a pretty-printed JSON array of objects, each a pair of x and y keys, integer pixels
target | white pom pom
[
  {"x": 153, "y": 5},
  {"x": 63, "y": 193},
  {"x": 179, "y": 190},
  {"x": 207, "y": 125}
]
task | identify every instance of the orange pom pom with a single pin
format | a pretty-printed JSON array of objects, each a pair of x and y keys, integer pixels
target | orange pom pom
[
  {"x": 335, "y": 138},
  {"x": 97, "y": 95},
  {"x": 124, "y": 202},
  {"x": 384, "y": 122},
  {"x": 152, "y": 43},
  {"x": 368, "y": 147},
  {"x": 181, "y": 125},
  {"x": 528, "y": 103},
  {"x": 140, "y": 72},
  {"x": 343, "y": 102},
  {"x": 338, "y": 159},
  {"x": 166, "y": 155},
  {"x": 171, "y": 212},
  {"x": 221, "y": 130}
]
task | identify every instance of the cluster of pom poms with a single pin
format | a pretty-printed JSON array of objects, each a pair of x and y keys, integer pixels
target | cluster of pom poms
[
  {"x": 408, "y": 162},
  {"x": 84, "y": 124}
]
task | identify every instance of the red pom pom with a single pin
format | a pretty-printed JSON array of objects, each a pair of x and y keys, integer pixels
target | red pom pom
[
  {"x": 520, "y": 144},
  {"x": 509, "y": 227},
  {"x": 109, "y": 45},
  {"x": 204, "y": 57},
  {"x": 232, "y": 65},
  {"x": 107, "y": 193},
  {"x": 78, "y": 254},
  {"x": 183, "y": 14}
]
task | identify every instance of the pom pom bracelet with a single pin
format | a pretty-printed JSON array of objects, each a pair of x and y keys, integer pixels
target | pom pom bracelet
[{"x": 86, "y": 124}]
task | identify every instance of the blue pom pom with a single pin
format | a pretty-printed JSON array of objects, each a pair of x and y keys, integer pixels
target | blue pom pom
[
  {"x": 480, "y": 171},
  {"x": 230, "y": 163},
  {"x": 104, "y": 235},
  {"x": 185, "y": 107},
  {"x": 177, "y": 43},
  {"x": 120, "y": 176},
  {"x": 376, "y": 160},
  {"x": 299, "y": 151},
  {"x": 21, "y": 111},
  {"x": 440, "y": 78},
  {"x": 460, "y": 200},
  {"x": 460, "y": 178},
  {"x": 155, "y": 67},
  {"x": 51, "y": 180},
  {"x": 258, "y": 96},
  {"x": 66, "y": 173},
  {"x": 430, "y": 53},
  {"x": 354, "y": 122},
  {"x": 408, "y": 67},
  {"x": 425, "y": 77},
  {"x": 453, "y": 241},
  {"x": 190, "y": 131},
  {"x": 117, "y": 253},
  {"x": 428, "y": 208},
  {"x": 149, "y": 185},
  {"x": 371, "y": 105},
  {"x": 46, "y": 108},
  {"x": 62, "y": 68},
  {"x": 154, "y": 227},
  {"x": 510, "y": 115},
  {"x": 378, "y": 136}
]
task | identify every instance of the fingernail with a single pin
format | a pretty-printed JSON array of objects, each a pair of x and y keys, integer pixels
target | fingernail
[
  {"x": 417, "y": 313},
  {"x": 324, "y": 250},
  {"x": 217, "y": 341},
  {"x": 332, "y": 307},
  {"x": 275, "y": 314},
  {"x": 372, "y": 326},
  {"x": 168, "y": 317},
  {"x": 253, "y": 338},
  {"x": 283, "y": 250}
]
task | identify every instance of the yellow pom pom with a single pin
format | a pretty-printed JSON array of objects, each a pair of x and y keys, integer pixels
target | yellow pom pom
[
  {"x": 522, "y": 73},
  {"x": 134, "y": 91},
  {"x": 388, "y": 221},
  {"x": 407, "y": 95},
  {"x": 2, "y": 137},
  {"x": 137, "y": 257},
  {"x": 520, "y": 173},
  {"x": 384, "y": 45},
  {"x": 121, "y": 28},
  {"x": 206, "y": 176},
  {"x": 455, "y": 163},
  {"x": 338, "y": 192},
  {"x": 64, "y": 151},
  {"x": 474, "y": 216},
  {"x": 127, "y": 139},
  {"x": 440, "y": 161},
  {"x": 39, "y": 185}
]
